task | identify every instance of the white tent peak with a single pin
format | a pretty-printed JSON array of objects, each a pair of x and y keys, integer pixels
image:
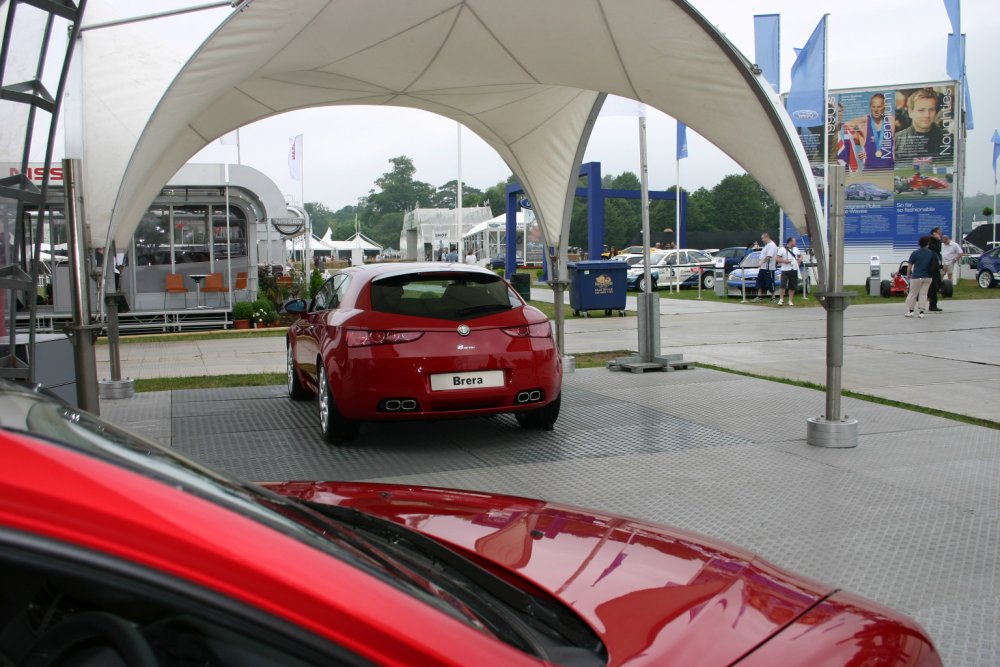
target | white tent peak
[{"x": 528, "y": 77}]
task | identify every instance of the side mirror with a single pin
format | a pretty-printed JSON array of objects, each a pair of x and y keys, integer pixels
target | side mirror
[{"x": 296, "y": 307}]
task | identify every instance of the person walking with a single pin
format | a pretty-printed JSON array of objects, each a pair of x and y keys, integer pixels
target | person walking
[
  {"x": 765, "y": 270},
  {"x": 919, "y": 268},
  {"x": 934, "y": 245},
  {"x": 788, "y": 263}
]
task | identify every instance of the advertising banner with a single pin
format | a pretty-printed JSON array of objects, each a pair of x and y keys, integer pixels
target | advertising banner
[{"x": 898, "y": 146}]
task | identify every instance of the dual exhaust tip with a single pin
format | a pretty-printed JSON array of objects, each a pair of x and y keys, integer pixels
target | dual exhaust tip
[
  {"x": 532, "y": 396},
  {"x": 399, "y": 405}
]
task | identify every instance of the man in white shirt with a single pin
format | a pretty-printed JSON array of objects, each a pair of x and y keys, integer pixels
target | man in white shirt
[
  {"x": 470, "y": 258},
  {"x": 951, "y": 253},
  {"x": 765, "y": 270},
  {"x": 788, "y": 261}
]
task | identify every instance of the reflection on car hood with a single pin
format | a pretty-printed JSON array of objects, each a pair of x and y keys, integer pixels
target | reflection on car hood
[{"x": 655, "y": 595}]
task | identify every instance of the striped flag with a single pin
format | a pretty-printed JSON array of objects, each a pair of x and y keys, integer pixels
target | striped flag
[
  {"x": 847, "y": 152},
  {"x": 295, "y": 158}
]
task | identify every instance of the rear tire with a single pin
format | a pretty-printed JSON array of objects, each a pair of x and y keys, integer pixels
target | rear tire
[
  {"x": 947, "y": 288},
  {"x": 296, "y": 391},
  {"x": 541, "y": 419},
  {"x": 885, "y": 288},
  {"x": 336, "y": 430}
]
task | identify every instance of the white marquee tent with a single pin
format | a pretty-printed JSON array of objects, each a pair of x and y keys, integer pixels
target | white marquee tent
[{"x": 528, "y": 77}]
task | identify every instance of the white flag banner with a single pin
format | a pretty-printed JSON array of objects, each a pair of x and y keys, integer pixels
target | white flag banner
[
  {"x": 295, "y": 158},
  {"x": 230, "y": 138},
  {"x": 623, "y": 106}
]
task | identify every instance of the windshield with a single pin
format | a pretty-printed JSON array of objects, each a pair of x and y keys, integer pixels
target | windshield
[{"x": 445, "y": 295}]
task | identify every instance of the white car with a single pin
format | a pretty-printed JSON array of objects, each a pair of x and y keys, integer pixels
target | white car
[{"x": 671, "y": 267}]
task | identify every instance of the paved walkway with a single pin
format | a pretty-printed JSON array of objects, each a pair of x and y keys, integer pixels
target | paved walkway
[
  {"x": 910, "y": 518},
  {"x": 949, "y": 361}
]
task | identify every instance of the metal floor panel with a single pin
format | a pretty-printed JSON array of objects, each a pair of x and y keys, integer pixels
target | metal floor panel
[{"x": 910, "y": 518}]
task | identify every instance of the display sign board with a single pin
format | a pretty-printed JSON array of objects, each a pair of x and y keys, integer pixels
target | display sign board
[{"x": 899, "y": 148}]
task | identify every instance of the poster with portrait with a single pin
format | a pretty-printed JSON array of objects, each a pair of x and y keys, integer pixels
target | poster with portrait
[{"x": 898, "y": 147}]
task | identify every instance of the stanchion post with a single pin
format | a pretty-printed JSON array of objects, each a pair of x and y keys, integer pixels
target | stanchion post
[{"x": 832, "y": 429}]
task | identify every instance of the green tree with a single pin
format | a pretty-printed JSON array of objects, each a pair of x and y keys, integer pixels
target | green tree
[
  {"x": 446, "y": 195},
  {"x": 497, "y": 195},
  {"x": 397, "y": 189},
  {"x": 740, "y": 203},
  {"x": 701, "y": 211}
]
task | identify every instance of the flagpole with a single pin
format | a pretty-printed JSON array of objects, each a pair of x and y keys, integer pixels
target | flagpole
[
  {"x": 458, "y": 197},
  {"x": 307, "y": 252},
  {"x": 677, "y": 207},
  {"x": 239, "y": 156}
]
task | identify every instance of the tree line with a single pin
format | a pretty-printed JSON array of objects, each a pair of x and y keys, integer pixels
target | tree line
[{"x": 736, "y": 203}]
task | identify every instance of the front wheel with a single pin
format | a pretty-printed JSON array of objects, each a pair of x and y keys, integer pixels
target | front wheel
[
  {"x": 708, "y": 280},
  {"x": 543, "y": 418},
  {"x": 985, "y": 279},
  {"x": 335, "y": 428}
]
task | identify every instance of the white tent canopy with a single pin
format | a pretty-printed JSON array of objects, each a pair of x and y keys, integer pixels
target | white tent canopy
[{"x": 528, "y": 77}]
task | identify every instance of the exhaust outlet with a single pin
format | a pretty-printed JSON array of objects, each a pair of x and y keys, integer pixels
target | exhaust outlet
[
  {"x": 392, "y": 405},
  {"x": 534, "y": 395},
  {"x": 523, "y": 397},
  {"x": 408, "y": 404}
]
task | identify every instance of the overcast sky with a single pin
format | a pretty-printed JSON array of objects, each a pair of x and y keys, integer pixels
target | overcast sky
[{"x": 885, "y": 43}]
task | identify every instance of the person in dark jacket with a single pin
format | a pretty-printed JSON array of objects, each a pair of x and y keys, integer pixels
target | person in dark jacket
[
  {"x": 921, "y": 264},
  {"x": 935, "y": 247}
]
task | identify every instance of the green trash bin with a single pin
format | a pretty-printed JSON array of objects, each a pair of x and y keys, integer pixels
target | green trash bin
[{"x": 522, "y": 284}]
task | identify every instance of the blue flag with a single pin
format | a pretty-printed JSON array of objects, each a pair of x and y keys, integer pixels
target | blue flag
[
  {"x": 953, "y": 7},
  {"x": 996, "y": 152},
  {"x": 767, "y": 39},
  {"x": 968, "y": 103},
  {"x": 955, "y": 56},
  {"x": 805, "y": 101},
  {"x": 682, "y": 140}
]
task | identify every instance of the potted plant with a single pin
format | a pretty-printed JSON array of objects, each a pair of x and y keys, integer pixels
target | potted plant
[
  {"x": 265, "y": 313},
  {"x": 242, "y": 312}
]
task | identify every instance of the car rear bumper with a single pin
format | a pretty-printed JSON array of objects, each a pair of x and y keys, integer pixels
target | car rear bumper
[{"x": 387, "y": 384}]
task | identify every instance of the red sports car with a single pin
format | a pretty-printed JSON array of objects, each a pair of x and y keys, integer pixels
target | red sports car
[
  {"x": 117, "y": 551},
  {"x": 421, "y": 341},
  {"x": 921, "y": 183}
]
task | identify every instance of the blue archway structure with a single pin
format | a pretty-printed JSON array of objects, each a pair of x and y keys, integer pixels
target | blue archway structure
[{"x": 595, "y": 196}]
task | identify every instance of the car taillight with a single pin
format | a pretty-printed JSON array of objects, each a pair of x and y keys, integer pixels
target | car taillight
[
  {"x": 366, "y": 337},
  {"x": 540, "y": 330}
]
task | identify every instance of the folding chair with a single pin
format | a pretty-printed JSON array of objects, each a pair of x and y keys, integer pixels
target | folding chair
[
  {"x": 174, "y": 285},
  {"x": 213, "y": 283}
]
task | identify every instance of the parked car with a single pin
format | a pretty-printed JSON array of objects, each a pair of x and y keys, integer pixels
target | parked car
[
  {"x": 988, "y": 268},
  {"x": 866, "y": 192},
  {"x": 385, "y": 342},
  {"x": 118, "y": 551},
  {"x": 669, "y": 267},
  {"x": 749, "y": 267},
  {"x": 734, "y": 255}
]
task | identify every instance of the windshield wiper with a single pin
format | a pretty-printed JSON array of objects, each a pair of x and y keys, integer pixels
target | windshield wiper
[
  {"x": 484, "y": 308},
  {"x": 551, "y": 615}
]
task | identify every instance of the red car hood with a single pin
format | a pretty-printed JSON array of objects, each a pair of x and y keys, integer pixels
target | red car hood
[{"x": 654, "y": 594}]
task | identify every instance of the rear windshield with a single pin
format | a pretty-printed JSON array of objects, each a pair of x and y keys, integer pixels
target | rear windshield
[{"x": 444, "y": 296}]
